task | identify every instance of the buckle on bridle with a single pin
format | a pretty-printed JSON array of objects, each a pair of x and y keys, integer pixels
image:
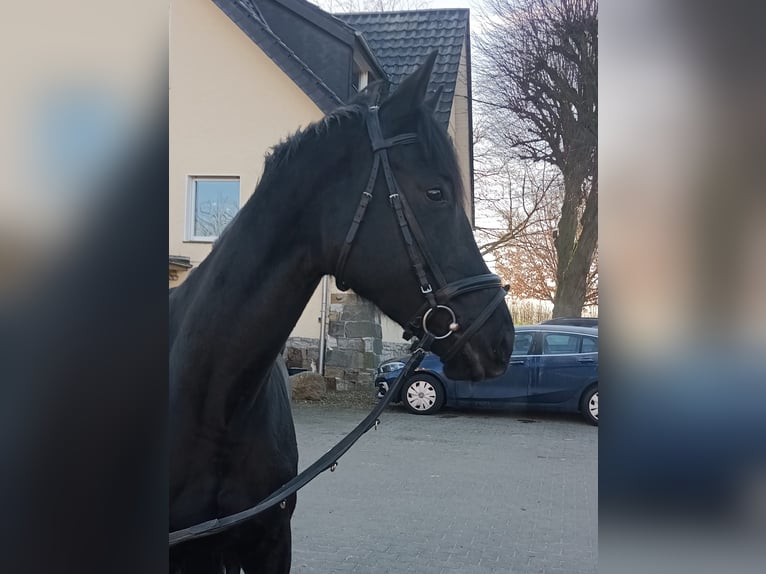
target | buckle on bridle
[{"x": 427, "y": 289}]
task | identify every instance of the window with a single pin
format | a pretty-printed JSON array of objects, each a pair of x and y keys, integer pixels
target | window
[
  {"x": 355, "y": 78},
  {"x": 560, "y": 344},
  {"x": 589, "y": 345},
  {"x": 522, "y": 343},
  {"x": 213, "y": 203},
  {"x": 359, "y": 78}
]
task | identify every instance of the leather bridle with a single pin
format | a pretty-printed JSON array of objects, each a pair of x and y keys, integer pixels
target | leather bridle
[
  {"x": 436, "y": 301},
  {"x": 422, "y": 261}
]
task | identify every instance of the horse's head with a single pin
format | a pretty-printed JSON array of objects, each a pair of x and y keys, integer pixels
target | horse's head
[{"x": 413, "y": 253}]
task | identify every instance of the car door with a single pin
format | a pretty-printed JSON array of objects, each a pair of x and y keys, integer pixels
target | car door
[
  {"x": 513, "y": 385},
  {"x": 563, "y": 368}
]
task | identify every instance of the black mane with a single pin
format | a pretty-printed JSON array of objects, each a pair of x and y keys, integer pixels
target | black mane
[
  {"x": 279, "y": 156},
  {"x": 435, "y": 141}
]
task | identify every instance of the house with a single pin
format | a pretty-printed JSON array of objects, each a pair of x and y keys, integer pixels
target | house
[{"x": 245, "y": 74}]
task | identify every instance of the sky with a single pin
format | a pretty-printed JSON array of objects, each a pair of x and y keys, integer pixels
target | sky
[{"x": 453, "y": 3}]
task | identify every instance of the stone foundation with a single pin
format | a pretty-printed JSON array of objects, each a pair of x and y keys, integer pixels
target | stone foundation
[
  {"x": 354, "y": 341},
  {"x": 355, "y": 344},
  {"x": 393, "y": 350},
  {"x": 300, "y": 352}
]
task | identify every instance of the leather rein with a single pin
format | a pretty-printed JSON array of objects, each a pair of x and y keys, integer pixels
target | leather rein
[{"x": 435, "y": 302}]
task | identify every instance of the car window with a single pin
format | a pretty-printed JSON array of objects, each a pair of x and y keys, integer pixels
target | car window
[
  {"x": 589, "y": 345},
  {"x": 522, "y": 343},
  {"x": 560, "y": 344}
]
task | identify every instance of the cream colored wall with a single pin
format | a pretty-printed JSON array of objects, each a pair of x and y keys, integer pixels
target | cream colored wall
[
  {"x": 392, "y": 331},
  {"x": 229, "y": 103},
  {"x": 308, "y": 325},
  {"x": 459, "y": 127}
]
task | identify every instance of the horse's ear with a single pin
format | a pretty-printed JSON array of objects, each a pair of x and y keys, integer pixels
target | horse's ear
[
  {"x": 433, "y": 100},
  {"x": 411, "y": 92}
]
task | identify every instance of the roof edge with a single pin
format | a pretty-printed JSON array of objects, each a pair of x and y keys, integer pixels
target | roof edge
[
  {"x": 370, "y": 54},
  {"x": 386, "y": 12},
  {"x": 279, "y": 53},
  {"x": 328, "y": 22},
  {"x": 469, "y": 83}
]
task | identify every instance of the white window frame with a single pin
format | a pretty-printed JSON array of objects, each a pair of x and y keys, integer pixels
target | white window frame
[{"x": 191, "y": 198}]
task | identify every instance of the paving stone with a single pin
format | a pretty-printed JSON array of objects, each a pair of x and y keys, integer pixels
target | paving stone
[{"x": 461, "y": 491}]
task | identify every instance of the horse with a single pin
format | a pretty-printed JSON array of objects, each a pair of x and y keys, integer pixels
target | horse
[{"x": 231, "y": 433}]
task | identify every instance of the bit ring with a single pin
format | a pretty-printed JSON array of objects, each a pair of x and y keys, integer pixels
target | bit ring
[{"x": 453, "y": 326}]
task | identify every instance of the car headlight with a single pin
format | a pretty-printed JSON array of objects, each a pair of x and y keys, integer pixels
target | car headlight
[{"x": 390, "y": 367}]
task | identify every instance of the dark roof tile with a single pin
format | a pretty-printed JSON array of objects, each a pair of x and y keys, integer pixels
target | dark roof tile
[{"x": 402, "y": 40}]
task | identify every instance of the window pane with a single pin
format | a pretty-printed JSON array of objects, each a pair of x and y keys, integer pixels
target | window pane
[
  {"x": 589, "y": 345},
  {"x": 522, "y": 343},
  {"x": 560, "y": 344},
  {"x": 216, "y": 202}
]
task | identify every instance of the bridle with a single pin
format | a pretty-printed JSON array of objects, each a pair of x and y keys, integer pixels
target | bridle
[
  {"x": 419, "y": 325},
  {"x": 422, "y": 261}
]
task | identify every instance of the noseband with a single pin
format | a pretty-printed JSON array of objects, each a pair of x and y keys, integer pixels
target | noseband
[{"x": 423, "y": 263}]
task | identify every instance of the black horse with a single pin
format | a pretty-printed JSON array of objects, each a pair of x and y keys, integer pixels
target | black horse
[{"x": 232, "y": 440}]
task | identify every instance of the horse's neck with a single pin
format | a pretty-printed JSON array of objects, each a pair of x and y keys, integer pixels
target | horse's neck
[{"x": 244, "y": 300}]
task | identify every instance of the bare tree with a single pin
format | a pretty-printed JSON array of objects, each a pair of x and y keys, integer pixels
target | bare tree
[
  {"x": 538, "y": 66},
  {"x": 517, "y": 200},
  {"x": 212, "y": 216},
  {"x": 371, "y": 5},
  {"x": 520, "y": 230}
]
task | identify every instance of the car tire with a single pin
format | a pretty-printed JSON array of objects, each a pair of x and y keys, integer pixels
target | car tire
[
  {"x": 589, "y": 405},
  {"x": 423, "y": 395}
]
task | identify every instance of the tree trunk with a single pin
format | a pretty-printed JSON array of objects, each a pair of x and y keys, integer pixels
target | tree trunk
[
  {"x": 570, "y": 295},
  {"x": 575, "y": 254}
]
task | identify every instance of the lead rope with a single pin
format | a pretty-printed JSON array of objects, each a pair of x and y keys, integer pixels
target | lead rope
[{"x": 329, "y": 461}]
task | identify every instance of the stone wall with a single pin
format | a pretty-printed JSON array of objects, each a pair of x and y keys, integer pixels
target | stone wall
[
  {"x": 395, "y": 350},
  {"x": 354, "y": 341},
  {"x": 355, "y": 344},
  {"x": 300, "y": 351}
]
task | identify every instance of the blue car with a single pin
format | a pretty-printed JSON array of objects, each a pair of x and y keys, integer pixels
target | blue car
[{"x": 553, "y": 367}]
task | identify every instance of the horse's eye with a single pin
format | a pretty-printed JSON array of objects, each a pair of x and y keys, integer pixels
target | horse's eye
[{"x": 435, "y": 194}]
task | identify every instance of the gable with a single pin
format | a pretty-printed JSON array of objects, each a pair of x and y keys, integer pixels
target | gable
[
  {"x": 402, "y": 40},
  {"x": 327, "y": 52},
  {"x": 247, "y": 16}
]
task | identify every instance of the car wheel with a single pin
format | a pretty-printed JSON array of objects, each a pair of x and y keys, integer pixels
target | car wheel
[
  {"x": 423, "y": 395},
  {"x": 589, "y": 405}
]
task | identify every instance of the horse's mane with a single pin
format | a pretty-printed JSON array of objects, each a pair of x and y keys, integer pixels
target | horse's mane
[
  {"x": 279, "y": 156},
  {"x": 435, "y": 141}
]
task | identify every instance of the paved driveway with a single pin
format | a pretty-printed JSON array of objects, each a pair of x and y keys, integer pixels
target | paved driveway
[{"x": 467, "y": 492}]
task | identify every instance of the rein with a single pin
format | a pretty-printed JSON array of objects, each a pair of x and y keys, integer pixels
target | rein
[
  {"x": 437, "y": 301},
  {"x": 328, "y": 461}
]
